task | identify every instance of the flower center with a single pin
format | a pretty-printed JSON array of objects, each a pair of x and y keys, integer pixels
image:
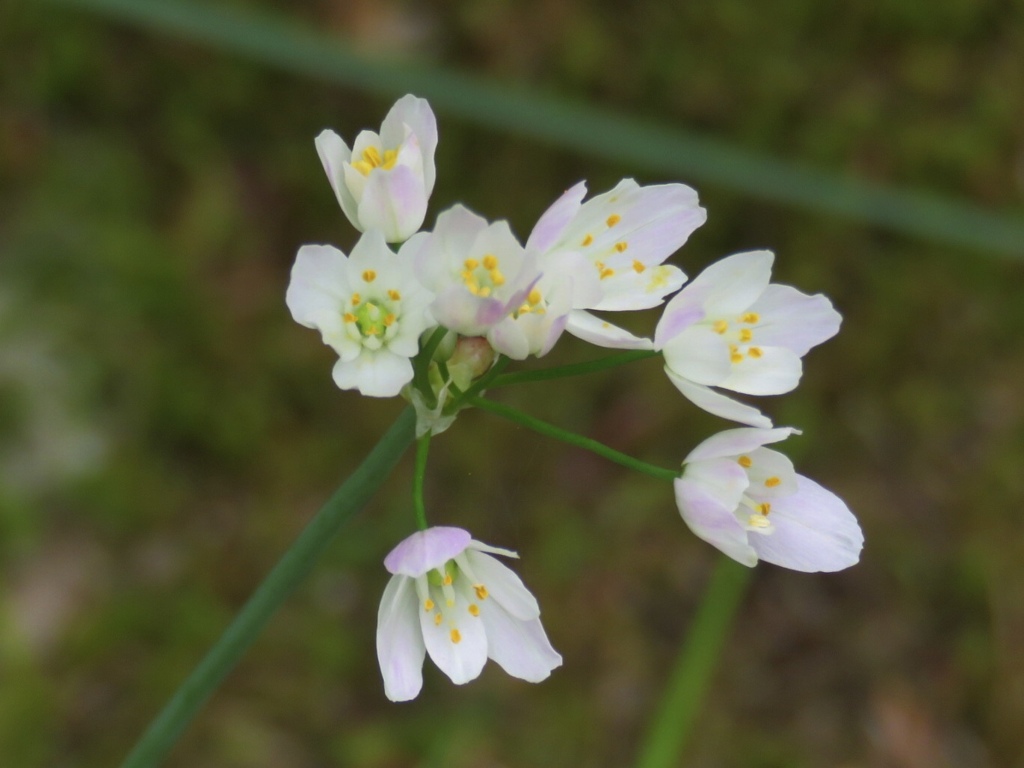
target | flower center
[
  {"x": 440, "y": 589},
  {"x": 372, "y": 159},
  {"x": 482, "y": 276},
  {"x": 372, "y": 322},
  {"x": 534, "y": 304},
  {"x": 740, "y": 334}
]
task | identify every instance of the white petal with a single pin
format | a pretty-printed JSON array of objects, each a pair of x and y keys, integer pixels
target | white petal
[
  {"x": 771, "y": 475},
  {"x": 334, "y": 155},
  {"x": 394, "y": 202},
  {"x": 628, "y": 290},
  {"x": 521, "y": 648},
  {"x": 318, "y": 287},
  {"x": 791, "y": 319},
  {"x": 728, "y": 287},
  {"x": 374, "y": 374},
  {"x": 426, "y": 550},
  {"x": 554, "y": 220},
  {"x": 813, "y": 531},
  {"x": 718, "y": 404},
  {"x": 419, "y": 117},
  {"x": 685, "y": 309},
  {"x": 698, "y": 354},
  {"x": 776, "y": 371},
  {"x": 733, "y": 442},
  {"x": 722, "y": 480},
  {"x": 463, "y": 660},
  {"x": 504, "y": 586},
  {"x": 588, "y": 327},
  {"x": 711, "y": 521},
  {"x": 400, "y": 648}
]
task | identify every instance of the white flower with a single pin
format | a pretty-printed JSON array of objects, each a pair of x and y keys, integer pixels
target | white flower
[
  {"x": 747, "y": 501},
  {"x": 368, "y": 307},
  {"x": 478, "y": 272},
  {"x": 612, "y": 249},
  {"x": 383, "y": 183},
  {"x": 447, "y": 597},
  {"x": 730, "y": 328}
]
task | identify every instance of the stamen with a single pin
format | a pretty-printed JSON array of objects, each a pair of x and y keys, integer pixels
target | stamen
[
  {"x": 745, "y": 461},
  {"x": 371, "y": 156},
  {"x": 734, "y": 354},
  {"x": 638, "y": 266},
  {"x": 751, "y": 318},
  {"x": 373, "y": 330},
  {"x": 490, "y": 261},
  {"x": 754, "y": 352},
  {"x": 356, "y": 298},
  {"x": 620, "y": 247},
  {"x": 447, "y": 580},
  {"x": 773, "y": 481},
  {"x": 471, "y": 263},
  {"x": 481, "y": 591},
  {"x": 746, "y": 334},
  {"x": 764, "y": 508},
  {"x": 456, "y": 637},
  {"x": 389, "y": 320},
  {"x": 612, "y": 220},
  {"x": 369, "y": 276},
  {"x": 534, "y": 297},
  {"x": 348, "y": 317},
  {"x": 587, "y": 240},
  {"x": 756, "y": 521},
  {"x": 720, "y": 326},
  {"x": 428, "y": 605},
  {"x": 437, "y": 619},
  {"x": 474, "y": 609},
  {"x": 394, "y": 295},
  {"x": 606, "y": 272}
]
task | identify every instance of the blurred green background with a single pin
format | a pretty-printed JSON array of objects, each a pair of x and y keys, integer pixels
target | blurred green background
[{"x": 166, "y": 429}]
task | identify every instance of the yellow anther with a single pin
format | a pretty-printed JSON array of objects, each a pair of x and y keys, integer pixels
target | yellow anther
[
  {"x": 524, "y": 310},
  {"x": 754, "y": 352},
  {"x": 483, "y": 292},
  {"x": 390, "y": 158},
  {"x": 474, "y": 609},
  {"x": 751, "y": 317},
  {"x": 720, "y": 326},
  {"x": 587, "y": 240},
  {"x": 764, "y": 508},
  {"x": 371, "y": 156},
  {"x": 756, "y": 521},
  {"x": 447, "y": 580},
  {"x": 638, "y": 266},
  {"x": 490, "y": 261},
  {"x": 745, "y": 461},
  {"x": 369, "y": 276},
  {"x": 394, "y": 295},
  {"x": 746, "y": 334},
  {"x": 348, "y": 317},
  {"x": 373, "y": 330},
  {"x": 363, "y": 167},
  {"x": 481, "y": 591},
  {"x": 470, "y": 264},
  {"x": 428, "y": 605},
  {"x": 734, "y": 354},
  {"x": 772, "y": 481},
  {"x": 620, "y": 247},
  {"x": 534, "y": 297},
  {"x": 607, "y": 272},
  {"x": 496, "y": 277},
  {"x": 389, "y": 320},
  {"x": 456, "y": 637},
  {"x": 356, "y": 298},
  {"x": 437, "y": 619},
  {"x": 612, "y": 220}
]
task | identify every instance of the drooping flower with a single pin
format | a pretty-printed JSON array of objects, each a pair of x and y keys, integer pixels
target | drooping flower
[
  {"x": 749, "y": 502},
  {"x": 384, "y": 181},
  {"x": 611, "y": 251},
  {"x": 368, "y": 307},
  {"x": 448, "y": 597},
  {"x": 731, "y": 328},
  {"x": 479, "y": 272}
]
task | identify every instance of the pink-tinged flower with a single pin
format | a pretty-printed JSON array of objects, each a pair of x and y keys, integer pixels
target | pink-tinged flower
[
  {"x": 369, "y": 309},
  {"x": 448, "y": 597},
  {"x": 610, "y": 252},
  {"x": 384, "y": 182},
  {"x": 478, "y": 272},
  {"x": 731, "y": 328},
  {"x": 748, "y": 501}
]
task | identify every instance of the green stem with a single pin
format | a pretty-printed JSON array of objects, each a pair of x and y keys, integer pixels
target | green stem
[
  {"x": 575, "y": 369},
  {"x": 421, "y": 365},
  {"x": 665, "y": 740},
  {"x": 422, "y": 448},
  {"x": 586, "y": 443},
  {"x": 289, "y": 572}
]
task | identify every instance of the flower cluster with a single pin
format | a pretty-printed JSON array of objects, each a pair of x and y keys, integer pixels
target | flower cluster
[{"x": 425, "y": 314}]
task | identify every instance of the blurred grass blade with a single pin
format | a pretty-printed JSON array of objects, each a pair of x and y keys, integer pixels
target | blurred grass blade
[
  {"x": 289, "y": 572},
  {"x": 664, "y": 151},
  {"x": 665, "y": 740}
]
